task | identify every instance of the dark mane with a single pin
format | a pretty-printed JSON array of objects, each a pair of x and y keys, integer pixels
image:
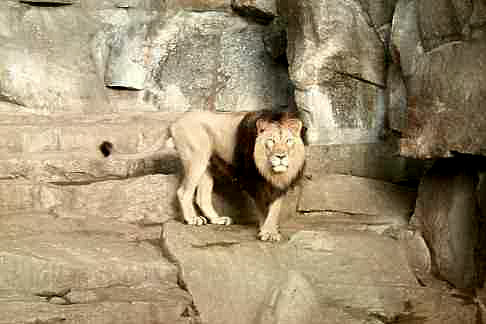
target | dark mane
[{"x": 244, "y": 166}]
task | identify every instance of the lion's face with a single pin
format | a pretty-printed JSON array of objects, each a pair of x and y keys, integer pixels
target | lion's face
[{"x": 279, "y": 151}]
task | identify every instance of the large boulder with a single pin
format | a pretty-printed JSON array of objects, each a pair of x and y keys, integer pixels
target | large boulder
[
  {"x": 448, "y": 216},
  {"x": 317, "y": 276},
  {"x": 336, "y": 60},
  {"x": 215, "y": 61},
  {"x": 441, "y": 52},
  {"x": 75, "y": 271},
  {"x": 45, "y": 59}
]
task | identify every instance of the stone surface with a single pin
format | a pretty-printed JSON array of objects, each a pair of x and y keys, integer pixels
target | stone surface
[
  {"x": 447, "y": 214},
  {"x": 46, "y": 63},
  {"x": 406, "y": 44},
  {"x": 442, "y": 58},
  {"x": 263, "y": 10},
  {"x": 145, "y": 200},
  {"x": 130, "y": 133},
  {"x": 214, "y": 61},
  {"x": 356, "y": 195},
  {"x": 444, "y": 95},
  {"x": 337, "y": 64},
  {"x": 314, "y": 277},
  {"x": 373, "y": 160},
  {"x": 397, "y": 99},
  {"x": 106, "y": 272}
]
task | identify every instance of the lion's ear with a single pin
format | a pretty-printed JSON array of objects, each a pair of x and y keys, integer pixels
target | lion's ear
[
  {"x": 261, "y": 125},
  {"x": 295, "y": 125}
]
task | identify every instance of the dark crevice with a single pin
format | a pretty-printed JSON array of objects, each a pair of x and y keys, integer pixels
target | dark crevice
[
  {"x": 46, "y": 4},
  {"x": 192, "y": 310}
]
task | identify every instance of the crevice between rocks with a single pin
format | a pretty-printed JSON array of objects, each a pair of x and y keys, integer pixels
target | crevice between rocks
[{"x": 192, "y": 310}]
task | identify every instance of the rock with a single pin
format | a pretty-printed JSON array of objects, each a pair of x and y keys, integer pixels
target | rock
[
  {"x": 144, "y": 200},
  {"x": 48, "y": 2},
  {"x": 443, "y": 78},
  {"x": 336, "y": 61},
  {"x": 200, "y": 5},
  {"x": 105, "y": 270},
  {"x": 380, "y": 11},
  {"x": 126, "y": 63},
  {"x": 66, "y": 168},
  {"x": 444, "y": 94},
  {"x": 406, "y": 44},
  {"x": 397, "y": 99},
  {"x": 315, "y": 277},
  {"x": 447, "y": 214},
  {"x": 213, "y": 61},
  {"x": 442, "y": 22},
  {"x": 78, "y": 133},
  {"x": 373, "y": 160},
  {"x": 362, "y": 196},
  {"x": 262, "y": 10},
  {"x": 40, "y": 61},
  {"x": 275, "y": 39}
]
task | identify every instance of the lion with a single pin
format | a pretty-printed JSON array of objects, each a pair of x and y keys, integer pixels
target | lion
[{"x": 263, "y": 151}]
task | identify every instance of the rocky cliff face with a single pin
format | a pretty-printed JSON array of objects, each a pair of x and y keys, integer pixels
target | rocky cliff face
[{"x": 389, "y": 90}]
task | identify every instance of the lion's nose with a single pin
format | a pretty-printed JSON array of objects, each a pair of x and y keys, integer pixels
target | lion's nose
[{"x": 281, "y": 155}]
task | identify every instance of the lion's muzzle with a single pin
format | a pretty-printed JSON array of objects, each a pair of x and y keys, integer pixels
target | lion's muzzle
[{"x": 279, "y": 162}]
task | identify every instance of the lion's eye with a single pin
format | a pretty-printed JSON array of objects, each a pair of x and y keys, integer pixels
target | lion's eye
[
  {"x": 290, "y": 141},
  {"x": 270, "y": 143}
]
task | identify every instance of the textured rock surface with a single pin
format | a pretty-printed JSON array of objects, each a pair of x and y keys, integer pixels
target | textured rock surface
[
  {"x": 337, "y": 63},
  {"x": 70, "y": 55},
  {"x": 216, "y": 61},
  {"x": 263, "y": 10},
  {"x": 103, "y": 271},
  {"x": 448, "y": 216},
  {"x": 315, "y": 277},
  {"x": 441, "y": 53},
  {"x": 370, "y": 197}
]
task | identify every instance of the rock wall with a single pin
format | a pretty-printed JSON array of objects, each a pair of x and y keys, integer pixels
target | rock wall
[{"x": 89, "y": 239}]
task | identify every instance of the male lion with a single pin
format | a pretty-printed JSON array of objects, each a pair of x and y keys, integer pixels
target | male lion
[{"x": 264, "y": 151}]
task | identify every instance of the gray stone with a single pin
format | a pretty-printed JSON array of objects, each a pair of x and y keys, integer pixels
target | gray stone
[
  {"x": 106, "y": 271},
  {"x": 260, "y": 9},
  {"x": 444, "y": 94},
  {"x": 373, "y": 160},
  {"x": 380, "y": 11},
  {"x": 315, "y": 277},
  {"x": 397, "y": 99},
  {"x": 144, "y": 200},
  {"x": 356, "y": 195},
  {"x": 337, "y": 64},
  {"x": 200, "y": 5},
  {"x": 447, "y": 213},
  {"x": 40, "y": 59},
  {"x": 126, "y": 61},
  {"x": 442, "y": 21},
  {"x": 77, "y": 133},
  {"x": 406, "y": 44},
  {"x": 213, "y": 61}
]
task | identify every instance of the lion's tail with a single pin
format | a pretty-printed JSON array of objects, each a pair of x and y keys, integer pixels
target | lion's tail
[{"x": 160, "y": 148}]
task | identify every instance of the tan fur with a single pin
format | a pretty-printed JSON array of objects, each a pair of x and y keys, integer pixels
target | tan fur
[{"x": 279, "y": 156}]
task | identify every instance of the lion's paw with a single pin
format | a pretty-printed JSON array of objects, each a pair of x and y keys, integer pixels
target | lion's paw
[
  {"x": 222, "y": 221},
  {"x": 198, "y": 221},
  {"x": 272, "y": 236}
]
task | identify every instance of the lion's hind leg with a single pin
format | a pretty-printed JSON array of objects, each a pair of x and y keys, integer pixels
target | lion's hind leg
[
  {"x": 194, "y": 155},
  {"x": 204, "y": 200}
]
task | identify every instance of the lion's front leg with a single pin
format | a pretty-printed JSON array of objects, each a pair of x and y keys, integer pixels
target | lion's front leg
[{"x": 269, "y": 227}]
